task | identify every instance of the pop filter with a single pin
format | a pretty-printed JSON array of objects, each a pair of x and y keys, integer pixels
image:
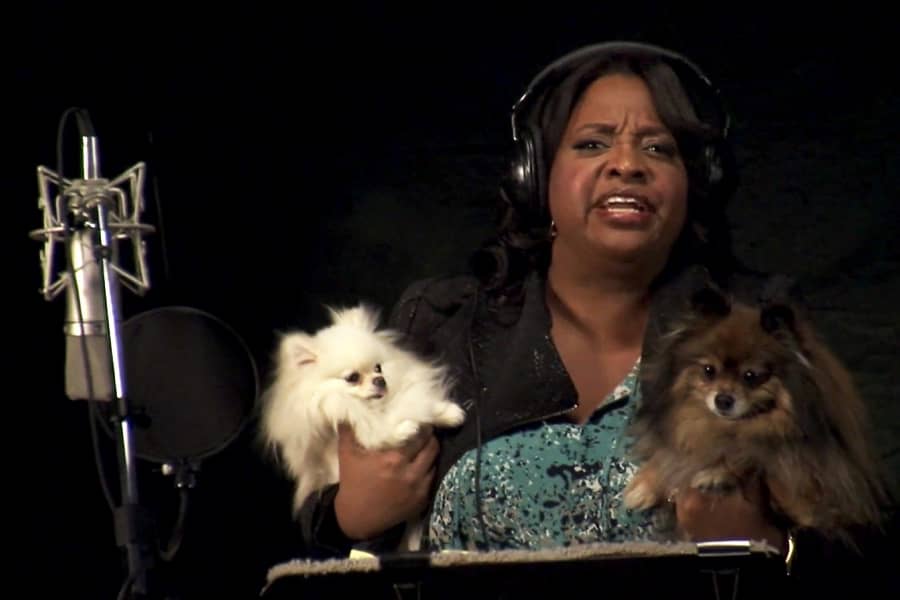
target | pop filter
[{"x": 191, "y": 384}]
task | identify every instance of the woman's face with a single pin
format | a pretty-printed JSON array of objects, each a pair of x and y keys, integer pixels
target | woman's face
[{"x": 617, "y": 185}]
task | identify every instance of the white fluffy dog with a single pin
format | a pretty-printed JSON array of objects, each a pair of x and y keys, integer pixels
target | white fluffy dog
[{"x": 349, "y": 372}]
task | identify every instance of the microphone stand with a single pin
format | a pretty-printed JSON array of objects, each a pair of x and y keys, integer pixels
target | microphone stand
[{"x": 131, "y": 521}]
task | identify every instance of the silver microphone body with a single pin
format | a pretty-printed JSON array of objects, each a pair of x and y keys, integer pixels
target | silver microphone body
[{"x": 89, "y": 372}]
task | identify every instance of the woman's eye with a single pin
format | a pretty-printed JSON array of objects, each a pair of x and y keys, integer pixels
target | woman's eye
[
  {"x": 352, "y": 377},
  {"x": 590, "y": 145},
  {"x": 662, "y": 148}
]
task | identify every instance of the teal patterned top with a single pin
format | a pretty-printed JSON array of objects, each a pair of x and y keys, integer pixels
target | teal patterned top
[{"x": 552, "y": 484}]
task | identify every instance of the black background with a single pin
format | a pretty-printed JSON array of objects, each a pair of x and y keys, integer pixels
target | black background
[{"x": 304, "y": 155}]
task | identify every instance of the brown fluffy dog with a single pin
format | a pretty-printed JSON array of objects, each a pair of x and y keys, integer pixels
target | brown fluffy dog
[{"x": 739, "y": 391}]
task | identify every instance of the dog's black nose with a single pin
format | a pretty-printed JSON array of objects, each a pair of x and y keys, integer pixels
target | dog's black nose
[
  {"x": 379, "y": 382},
  {"x": 724, "y": 402}
]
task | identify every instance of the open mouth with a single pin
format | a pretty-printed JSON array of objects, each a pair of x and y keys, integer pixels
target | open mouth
[{"x": 622, "y": 204}]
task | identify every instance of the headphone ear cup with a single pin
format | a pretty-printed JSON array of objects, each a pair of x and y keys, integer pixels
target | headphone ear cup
[
  {"x": 714, "y": 168},
  {"x": 522, "y": 184},
  {"x": 720, "y": 169}
]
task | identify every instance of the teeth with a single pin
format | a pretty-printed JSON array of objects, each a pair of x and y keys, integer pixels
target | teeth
[{"x": 623, "y": 203}]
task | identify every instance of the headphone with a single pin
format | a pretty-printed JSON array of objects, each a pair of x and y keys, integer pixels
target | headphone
[{"x": 525, "y": 184}]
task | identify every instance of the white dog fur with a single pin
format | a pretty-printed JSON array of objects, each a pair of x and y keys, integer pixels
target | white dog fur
[{"x": 332, "y": 377}]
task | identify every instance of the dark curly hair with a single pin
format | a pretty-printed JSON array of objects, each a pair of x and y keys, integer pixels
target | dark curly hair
[{"x": 522, "y": 242}]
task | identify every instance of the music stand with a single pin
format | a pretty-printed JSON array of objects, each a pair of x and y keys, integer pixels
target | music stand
[{"x": 729, "y": 570}]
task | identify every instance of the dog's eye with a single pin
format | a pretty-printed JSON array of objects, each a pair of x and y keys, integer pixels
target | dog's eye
[
  {"x": 754, "y": 379},
  {"x": 751, "y": 378},
  {"x": 378, "y": 368},
  {"x": 709, "y": 371},
  {"x": 352, "y": 377}
]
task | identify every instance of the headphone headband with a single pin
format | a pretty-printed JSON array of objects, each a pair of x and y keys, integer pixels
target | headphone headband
[{"x": 561, "y": 67}]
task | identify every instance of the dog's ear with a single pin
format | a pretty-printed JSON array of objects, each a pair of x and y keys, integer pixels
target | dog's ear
[
  {"x": 777, "y": 317},
  {"x": 710, "y": 302},
  {"x": 297, "y": 350}
]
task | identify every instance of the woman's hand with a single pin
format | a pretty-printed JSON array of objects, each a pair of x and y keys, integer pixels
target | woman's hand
[
  {"x": 741, "y": 514},
  {"x": 381, "y": 489}
]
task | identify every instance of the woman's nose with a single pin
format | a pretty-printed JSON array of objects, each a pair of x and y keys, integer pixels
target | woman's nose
[{"x": 626, "y": 162}]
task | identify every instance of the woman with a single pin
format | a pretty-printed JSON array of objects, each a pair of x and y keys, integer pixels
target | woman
[{"x": 615, "y": 211}]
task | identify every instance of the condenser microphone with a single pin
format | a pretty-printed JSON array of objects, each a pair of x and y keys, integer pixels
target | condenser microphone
[
  {"x": 89, "y": 218},
  {"x": 92, "y": 297}
]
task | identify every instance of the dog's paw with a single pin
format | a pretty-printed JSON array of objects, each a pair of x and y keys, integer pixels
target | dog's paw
[
  {"x": 412, "y": 535},
  {"x": 639, "y": 495},
  {"x": 405, "y": 431},
  {"x": 714, "y": 481},
  {"x": 449, "y": 415}
]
